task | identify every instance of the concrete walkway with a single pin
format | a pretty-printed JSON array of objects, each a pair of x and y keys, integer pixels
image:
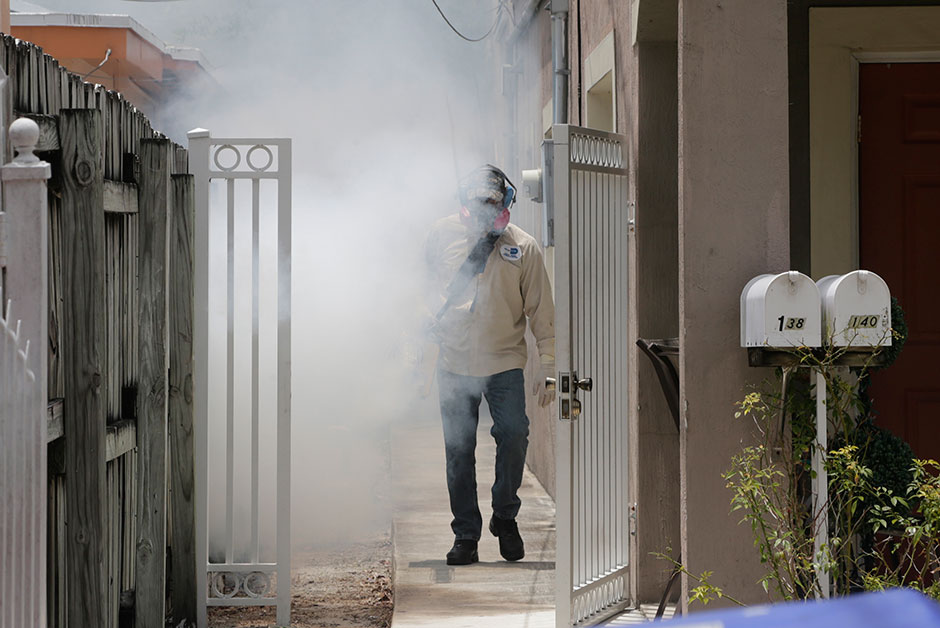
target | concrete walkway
[{"x": 492, "y": 592}]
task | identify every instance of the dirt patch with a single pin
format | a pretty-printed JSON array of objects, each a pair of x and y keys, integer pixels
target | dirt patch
[
  {"x": 344, "y": 585},
  {"x": 340, "y": 567}
]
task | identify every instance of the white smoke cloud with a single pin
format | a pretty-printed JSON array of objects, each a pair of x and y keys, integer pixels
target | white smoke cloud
[{"x": 381, "y": 99}]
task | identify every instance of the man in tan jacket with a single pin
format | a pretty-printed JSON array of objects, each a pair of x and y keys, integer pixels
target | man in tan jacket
[{"x": 490, "y": 279}]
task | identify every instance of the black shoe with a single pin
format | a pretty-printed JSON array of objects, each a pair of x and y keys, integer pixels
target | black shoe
[
  {"x": 510, "y": 543},
  {"x": 463, "y": 552}
]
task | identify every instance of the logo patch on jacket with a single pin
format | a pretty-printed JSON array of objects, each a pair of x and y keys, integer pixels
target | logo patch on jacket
[{"x": 510, "y": 252}]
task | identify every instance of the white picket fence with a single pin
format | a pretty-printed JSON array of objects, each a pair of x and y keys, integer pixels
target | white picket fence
[
  {"x": 23, "y": 390},
  {"x": 21, "y": 420}
]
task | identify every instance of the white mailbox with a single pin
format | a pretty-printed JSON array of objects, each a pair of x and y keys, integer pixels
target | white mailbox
[
  {"x": 781, "y": 311},
  {"x": 856, "y": 310}
]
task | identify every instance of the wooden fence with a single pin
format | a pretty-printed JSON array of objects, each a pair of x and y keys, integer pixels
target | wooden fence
[{"x": 120, "y": 471}]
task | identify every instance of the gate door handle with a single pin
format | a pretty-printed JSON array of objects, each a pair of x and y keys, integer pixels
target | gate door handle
[
  {"x": 586, "y": 384},
  {"x": 549, "y": 383}
]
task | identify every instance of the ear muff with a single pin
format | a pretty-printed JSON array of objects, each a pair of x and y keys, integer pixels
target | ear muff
[{"x": 509, "y": 196}]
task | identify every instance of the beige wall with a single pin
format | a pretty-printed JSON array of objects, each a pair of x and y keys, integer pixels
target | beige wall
[
  {"x": 655, "y": 309},
  {"x": 600, "y": 19},
  {"x": 709, "y": 160},
  {"x": 839, "y": 39},
  {"x": 733, "y": 224},
  {"x": 597, "y": 86},
  {"x": 528, "y": 94}
]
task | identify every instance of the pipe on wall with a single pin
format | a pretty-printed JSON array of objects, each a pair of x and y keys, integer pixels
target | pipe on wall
[{"x": 560, "y": 69}]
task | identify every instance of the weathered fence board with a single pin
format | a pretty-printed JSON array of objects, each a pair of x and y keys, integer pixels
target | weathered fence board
[
  {"x": 55, "y": 578},
  {"x": 94, "y": 370},
  {"x": 120, "y": 438},
  {"x": 56, "y": 364},
  {"x": 182, "y": 519},
  {"x": 153, "y": 226},
  {"x": 119, "y": 197},
  {"x": 48, "y": 130},
  {"x": 54, "y": 426},
  {"x": 85, "y": 395}
]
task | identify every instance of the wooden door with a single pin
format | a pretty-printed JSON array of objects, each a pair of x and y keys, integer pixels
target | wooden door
[{"x": 899, "y": 236}]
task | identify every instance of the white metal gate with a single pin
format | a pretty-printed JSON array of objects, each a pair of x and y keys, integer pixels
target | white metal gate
[
  {"x": 588, "y": 195},
  {"x": 242, "y": 371}
]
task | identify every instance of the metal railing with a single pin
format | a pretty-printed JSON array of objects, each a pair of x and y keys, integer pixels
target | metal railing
[{"x": 233, "y": 570}]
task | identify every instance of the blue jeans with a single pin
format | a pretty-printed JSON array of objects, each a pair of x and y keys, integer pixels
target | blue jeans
[{"x": 460, "y": 413}]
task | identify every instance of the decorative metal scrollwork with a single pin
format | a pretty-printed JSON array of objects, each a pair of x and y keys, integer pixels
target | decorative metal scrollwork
[
  {"x": 226, "y": 584},
  {"x": 596, "y": 151},
  {"x": 251, "y": 151},
  {"x": 232, "y": 584},
  {"x": 599, "y": 599},
  {"x": 256, "y": 584},
  {"x": 228, "y": 157},
  {"x": 219, "y": 152}
]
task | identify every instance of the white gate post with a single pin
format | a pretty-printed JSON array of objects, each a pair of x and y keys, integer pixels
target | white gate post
[
  {"x": 26, "y": 219},
  {"x": 24, "y": 223},
  {"x": 284, "y": 230},
  {"x": 820, "y": 486},
  {"x": 199, "y": 166}
]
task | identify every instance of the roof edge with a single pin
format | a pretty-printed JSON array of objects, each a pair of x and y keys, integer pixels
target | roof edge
[{"x": 103, "y": 20}]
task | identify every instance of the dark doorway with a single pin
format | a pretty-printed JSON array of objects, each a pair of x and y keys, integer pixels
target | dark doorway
[{"x": 899, "y": 238}]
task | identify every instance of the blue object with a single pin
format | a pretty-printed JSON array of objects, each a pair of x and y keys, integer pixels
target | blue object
[
  {"x": 461, "y": 396},
  {"x": 510, "y": 194},
  {"x": 897, "y": 608}
]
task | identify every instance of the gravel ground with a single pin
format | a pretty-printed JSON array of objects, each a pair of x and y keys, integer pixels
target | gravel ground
[{"x": 340, "y": 585}]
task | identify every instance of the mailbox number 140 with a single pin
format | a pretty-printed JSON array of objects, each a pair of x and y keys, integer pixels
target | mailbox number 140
[
  {"x": 863, "y": 321},
  {"x": 791, "y": 323}
]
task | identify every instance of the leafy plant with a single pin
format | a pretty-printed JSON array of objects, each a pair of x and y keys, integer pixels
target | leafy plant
[
  {"x": 705, "y": 592},
  {"x": 883, "y": 506}
]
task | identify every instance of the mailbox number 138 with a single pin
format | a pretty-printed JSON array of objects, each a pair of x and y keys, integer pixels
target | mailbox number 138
[{"x": 791, "y": 323}]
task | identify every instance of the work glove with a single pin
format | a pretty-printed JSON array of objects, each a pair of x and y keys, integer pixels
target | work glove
[{"x": 544, "y": 395}]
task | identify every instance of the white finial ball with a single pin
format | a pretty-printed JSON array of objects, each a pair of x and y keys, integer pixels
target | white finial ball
[{"x": 24, "y": 134}]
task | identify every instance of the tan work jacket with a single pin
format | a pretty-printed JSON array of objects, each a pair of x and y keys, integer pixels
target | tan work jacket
[{"x": 483, "y": 332}]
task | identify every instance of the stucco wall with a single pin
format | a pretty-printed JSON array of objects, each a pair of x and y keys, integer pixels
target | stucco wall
[
  {"x": 733, "y": 224},
  {"x": 707, "y": 125},
  {"x": 597, "y": 20},
  {"x": 655, "y": 311},
  {"x": 526, "y": 90}
]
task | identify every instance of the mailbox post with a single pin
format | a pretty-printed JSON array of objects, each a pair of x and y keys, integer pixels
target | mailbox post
[
  {"x": 786, "y": 311},
  {"x": 781, "y": 312}
]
